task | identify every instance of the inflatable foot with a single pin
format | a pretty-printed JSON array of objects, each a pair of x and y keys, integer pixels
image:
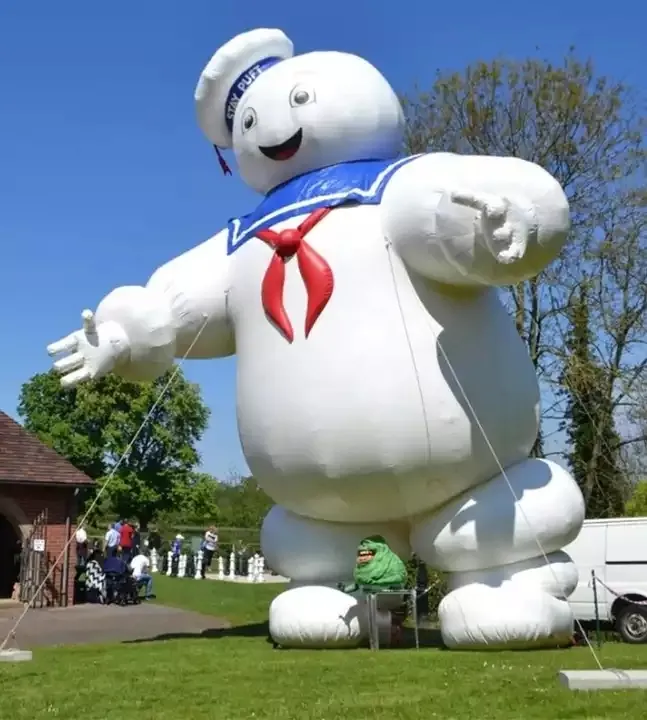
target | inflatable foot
[
  {"x": 481, "y": 617},
  {"x": 315, "y": 616}
]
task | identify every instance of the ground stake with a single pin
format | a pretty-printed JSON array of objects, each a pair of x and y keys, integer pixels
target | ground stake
[
  {"x": 15, "y": 655},
  {"x": 603, "y": 679}
]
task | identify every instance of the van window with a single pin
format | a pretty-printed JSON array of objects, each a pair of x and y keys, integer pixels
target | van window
[{"x": 627, "y": 543}]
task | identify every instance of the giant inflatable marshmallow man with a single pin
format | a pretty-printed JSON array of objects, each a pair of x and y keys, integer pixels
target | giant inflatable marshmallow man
[{"x": 382, "y": 387}]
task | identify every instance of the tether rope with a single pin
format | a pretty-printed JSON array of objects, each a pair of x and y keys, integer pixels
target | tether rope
[
  {"x": 484, "y": 434},
  {"x": 12, "y": 633}
]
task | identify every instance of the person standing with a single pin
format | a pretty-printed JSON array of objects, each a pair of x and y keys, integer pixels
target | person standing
[
  {"x": 209, "y": 547},
  {"x": 137, "y": 538},
  {"x": 176, "y": 551},
  {"x": 81, "y": 538},
  {"x": 111, "y": 541},
  {"x": 95, "y": 579},
  {"x": 126, "y": 536}
]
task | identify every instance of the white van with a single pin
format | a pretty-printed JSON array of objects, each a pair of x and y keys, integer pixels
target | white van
[{"x": 616, "y": 550}]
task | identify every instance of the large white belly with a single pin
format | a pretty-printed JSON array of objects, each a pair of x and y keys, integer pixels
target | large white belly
[{"x": 364, "y": 420}]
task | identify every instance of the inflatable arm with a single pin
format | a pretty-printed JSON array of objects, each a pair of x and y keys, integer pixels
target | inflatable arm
[
  {"x": 137, "y": 331},
  {"x": 475, "y": 220}
]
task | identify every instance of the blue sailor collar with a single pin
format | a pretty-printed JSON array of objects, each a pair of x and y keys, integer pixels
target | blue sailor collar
[{"x": 362, "y": 181}]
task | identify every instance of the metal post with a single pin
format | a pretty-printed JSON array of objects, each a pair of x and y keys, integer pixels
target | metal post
[
  {"x": 63, "y": 593},
  {"x": 414, "y": 615},
  {"x": 373, "y": 628},
  {"x": 598, "y": 634}
]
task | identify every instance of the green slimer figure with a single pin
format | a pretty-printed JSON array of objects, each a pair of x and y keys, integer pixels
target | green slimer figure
[{"x": 377, "y": 568}]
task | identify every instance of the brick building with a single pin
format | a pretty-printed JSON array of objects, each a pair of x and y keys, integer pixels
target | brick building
[{"x": 38, "y": 501}]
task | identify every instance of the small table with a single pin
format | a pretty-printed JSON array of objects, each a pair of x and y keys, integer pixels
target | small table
[{"x": 371, "y": 603}]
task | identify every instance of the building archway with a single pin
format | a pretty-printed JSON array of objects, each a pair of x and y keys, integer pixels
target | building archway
[
  {"x": 15, "y": 516},
  {"x": 14, "y": 530},
  {"x": 10, "y": 548}
]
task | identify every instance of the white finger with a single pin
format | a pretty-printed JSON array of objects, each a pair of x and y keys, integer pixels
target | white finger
[
  {"x": 515, "y": 247},
  {"x": 503, "y": 235},
  {"x": 89, "y": 325},
  {"x": 69, "y": 363},
  {"x": 67, "y": 344},
  {"x": 468, "y": 200},
  {"x": 76, "y": 377},
  {"x": 495, "y": 209}
]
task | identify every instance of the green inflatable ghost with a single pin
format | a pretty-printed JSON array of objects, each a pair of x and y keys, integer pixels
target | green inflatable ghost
[{"x": 377, "y": 567}]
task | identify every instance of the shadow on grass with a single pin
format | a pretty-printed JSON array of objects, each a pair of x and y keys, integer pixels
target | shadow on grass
[
  {"x": 251, "y": 630},
  {"x": 428, "y": 638}
]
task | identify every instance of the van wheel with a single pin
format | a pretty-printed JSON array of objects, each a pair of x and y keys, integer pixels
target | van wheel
[{"x": 632, "y": 624}]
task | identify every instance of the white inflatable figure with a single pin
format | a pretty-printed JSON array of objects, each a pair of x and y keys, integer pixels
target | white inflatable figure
[{"x": 382, "y": 387}]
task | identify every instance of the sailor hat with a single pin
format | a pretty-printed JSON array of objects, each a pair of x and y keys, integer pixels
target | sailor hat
[{"x": 229, "y": 73}]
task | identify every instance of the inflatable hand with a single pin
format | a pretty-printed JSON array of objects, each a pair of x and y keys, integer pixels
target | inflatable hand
[
  {"x": 93, "y": 350},
  {"x": 504, "y": 226}
]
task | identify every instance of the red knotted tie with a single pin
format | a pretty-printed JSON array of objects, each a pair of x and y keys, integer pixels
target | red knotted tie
[{"x": 315, "y": 271}]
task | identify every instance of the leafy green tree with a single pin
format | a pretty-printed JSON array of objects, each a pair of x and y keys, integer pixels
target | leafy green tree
[
  {"x": 200, "y": 502},
  {"x": 243, "y": 504},
  {"x": 146, "y": 440},
  {"x": 72, "y": 422},
  {"x": 589, "y": 422},
  {"x": 637, "y": 503}
]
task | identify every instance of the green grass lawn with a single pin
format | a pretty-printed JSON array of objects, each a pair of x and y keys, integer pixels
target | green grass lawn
[{"x": 237, "y": 674}]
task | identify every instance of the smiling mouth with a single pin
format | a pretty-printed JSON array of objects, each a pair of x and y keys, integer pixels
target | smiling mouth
[{"x": 285, "y": 150}]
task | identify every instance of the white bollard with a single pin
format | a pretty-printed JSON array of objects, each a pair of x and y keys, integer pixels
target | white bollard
[
  {"x": 181, "y": 570},
  {"x": 169, "y": 558},
  {"x": 198, "y": 565},
  {"x": 221, "y": 568},
  {"x": 251, "y": 563},
  {"x": 232, "y": 565},
  {"x": 261, "y": 569},
  {"x": 154, "y": 561},
  {"x": 255, "y": 567}
]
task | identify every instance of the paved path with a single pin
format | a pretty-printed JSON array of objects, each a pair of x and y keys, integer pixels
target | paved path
[{"x": 84, "y": 624}]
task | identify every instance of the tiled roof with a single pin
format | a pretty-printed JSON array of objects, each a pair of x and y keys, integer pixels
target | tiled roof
[{"x": 25, "y": 459}]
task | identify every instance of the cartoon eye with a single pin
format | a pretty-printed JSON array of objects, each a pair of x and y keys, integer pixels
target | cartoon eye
[
  {"x": 301, "y": 95},
  {"x": 249, "y": 119}
]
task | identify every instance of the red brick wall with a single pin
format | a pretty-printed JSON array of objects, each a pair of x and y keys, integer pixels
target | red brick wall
[{"x": 59, "y": 503}]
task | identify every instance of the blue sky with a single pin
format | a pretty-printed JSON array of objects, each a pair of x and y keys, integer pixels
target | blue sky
[{"x": 104, "y": 174}]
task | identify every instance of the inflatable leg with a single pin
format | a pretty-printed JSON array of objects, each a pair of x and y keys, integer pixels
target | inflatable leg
[
  {"x": 504, "y": 592},
  {"x": 316, "y": 555}
]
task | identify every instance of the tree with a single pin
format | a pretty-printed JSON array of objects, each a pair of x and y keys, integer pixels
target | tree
[
  {"x": 145, "y": 439},
  {"x": 589, "y": 419},
  {"x": 66, "y": 421},
  {"x": 585, "y": 130},
  {"x": 637, "y": 503},
  {"x": 200, "y": 502},
  {"x": 243, "y": 503}
]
